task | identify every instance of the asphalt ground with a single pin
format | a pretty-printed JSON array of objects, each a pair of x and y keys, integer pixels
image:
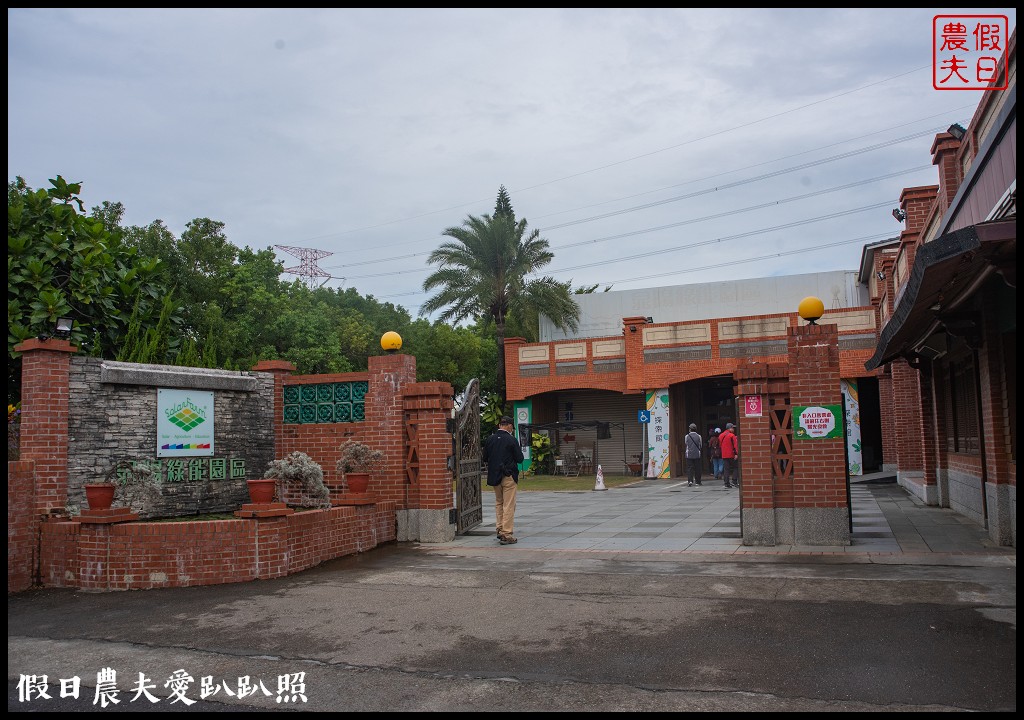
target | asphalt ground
[{"x": 924, "y": 620}]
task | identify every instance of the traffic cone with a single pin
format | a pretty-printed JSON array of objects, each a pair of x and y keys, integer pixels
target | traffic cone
[{"x": 600, "y": 479}]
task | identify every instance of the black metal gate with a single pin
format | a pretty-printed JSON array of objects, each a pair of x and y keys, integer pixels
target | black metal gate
[{"x": 469, "y": 508}]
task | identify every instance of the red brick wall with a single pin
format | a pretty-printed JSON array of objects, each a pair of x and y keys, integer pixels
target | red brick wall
[
  {"x": 758, "y": 491},
  {"x": 140, "y": 556},
  {"x": 994, "y": 405},
  {"x": 280, "y": 369},
  {"x": 384, "y": 427},
  {"x": 22, "y": 525},
  {"x": 46, "y": 366},
  {"x": 640, "y": 375},
  {"x": 819, "y": 465},
  {"x": 929, "y": 434},
  {"x": 58, "y": 553},
  {"x": 888, "y": 409},
  {"x": 944, "y": 154},
  {"x": 427, "y": 407},
  {"x": 906, "y": 394}
]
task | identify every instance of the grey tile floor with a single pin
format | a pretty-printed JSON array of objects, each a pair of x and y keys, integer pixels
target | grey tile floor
[{"x": 667, "y": 516}]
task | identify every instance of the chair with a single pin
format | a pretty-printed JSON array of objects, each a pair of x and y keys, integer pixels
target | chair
[
  {"x": 571, "y": 467},
  {"x": 586, "y": 461}
]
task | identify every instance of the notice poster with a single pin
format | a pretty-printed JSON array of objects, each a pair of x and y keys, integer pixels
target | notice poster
[
  {"x": 817, "y": 422},
  {"x": 657, "y": 434},
  {"x": 854, "y": 449}
]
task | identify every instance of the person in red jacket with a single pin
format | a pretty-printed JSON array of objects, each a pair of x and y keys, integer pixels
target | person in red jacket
[{"x": 730, "y": 445}]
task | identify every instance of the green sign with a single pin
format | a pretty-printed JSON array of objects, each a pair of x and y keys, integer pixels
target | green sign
[{"x": 817, "y": 422}]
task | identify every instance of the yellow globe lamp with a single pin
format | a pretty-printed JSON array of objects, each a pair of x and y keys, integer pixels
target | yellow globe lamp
[
  {"x": 391, "y": 341},
  {"x": 811, "y": 309}
]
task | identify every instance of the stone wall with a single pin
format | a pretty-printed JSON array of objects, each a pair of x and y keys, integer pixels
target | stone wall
[{"x": 113, "y": 414}]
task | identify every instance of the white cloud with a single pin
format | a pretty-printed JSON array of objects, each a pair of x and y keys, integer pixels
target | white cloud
[{"x": 368, "y": 132}]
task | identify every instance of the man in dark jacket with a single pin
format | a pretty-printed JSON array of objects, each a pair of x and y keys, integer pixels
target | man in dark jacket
[
  {"x": 503, "y": 455},
  {"x": 694, "y": 446}
]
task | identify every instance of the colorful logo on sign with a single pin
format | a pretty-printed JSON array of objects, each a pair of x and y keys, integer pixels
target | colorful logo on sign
[{"x": 187, "y": 418}]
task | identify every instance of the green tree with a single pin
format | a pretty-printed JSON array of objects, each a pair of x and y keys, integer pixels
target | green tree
[
  {"x": 503, "y": 206},
  {"x": 486, "y": 272},
  {"x": 63, "y": 263}
]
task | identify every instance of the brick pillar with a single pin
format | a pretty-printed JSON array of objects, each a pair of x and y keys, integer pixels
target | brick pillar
[
  {"x": 272, "y": 547},
  {"x": 94, "y": 556},
  {"x": 1000, "y": 485},
  {"x": 384, "y": 427},
  {"x": 45, "y": 369},
  {"x": 944, "y": 153},
  {"x": 516, "y": 387},
  {"x": 886, "y": 401},
  {"x": 821, "y": 513},
  {"x": 280, "y": 370},
  {"x": 916, "y": 202},
  {"x": 929, "y": 476},
  {"x": 757, "y": 488},
  {"x": 22, "y": 526},
  {"x": 906, "y": 414},
  {"x": 428, "y": 444},
  {"x": 940, "y": 378},
  {"x": 633, "y": 332}
]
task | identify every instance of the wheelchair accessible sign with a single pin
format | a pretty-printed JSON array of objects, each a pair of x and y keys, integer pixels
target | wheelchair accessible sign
[{"x": 817, "y": 422}]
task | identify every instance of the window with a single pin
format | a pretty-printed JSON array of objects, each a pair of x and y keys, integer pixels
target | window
[{"x": 962, "y": 408}]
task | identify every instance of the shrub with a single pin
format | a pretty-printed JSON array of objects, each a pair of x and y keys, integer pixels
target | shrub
[
  {"x": 359, "y": 457},
  {"x": 300, "y": 469}
]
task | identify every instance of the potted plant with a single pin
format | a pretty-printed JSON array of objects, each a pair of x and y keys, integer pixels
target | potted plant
[
  {"x": 357, "y": 462},
  {"x": 100, "y": 495},
  {"x": 298, "y": 468}
]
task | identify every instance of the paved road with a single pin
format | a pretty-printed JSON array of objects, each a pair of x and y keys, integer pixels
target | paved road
[{"x": 476, "y": 626}]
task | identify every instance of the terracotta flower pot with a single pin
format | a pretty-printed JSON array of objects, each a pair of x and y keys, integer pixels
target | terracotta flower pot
[
  {"x": 261, "y": 490},
  {"x": 100, "y": 496},
  {"x": 357, "y": 482}
]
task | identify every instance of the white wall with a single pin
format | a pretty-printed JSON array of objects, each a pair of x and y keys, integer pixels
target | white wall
[{"x": 601, "y": 313}]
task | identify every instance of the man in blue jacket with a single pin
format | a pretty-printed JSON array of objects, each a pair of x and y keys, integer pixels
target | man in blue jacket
[{"x": 503, "y": 455}]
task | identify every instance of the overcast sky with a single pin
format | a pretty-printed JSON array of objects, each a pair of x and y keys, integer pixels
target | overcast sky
[{"x": 651, "y": 147}]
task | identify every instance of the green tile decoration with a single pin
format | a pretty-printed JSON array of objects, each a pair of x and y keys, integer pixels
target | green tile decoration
[
  {"x": 325, "y": 402},
  {"x": 342, "y": 392}
]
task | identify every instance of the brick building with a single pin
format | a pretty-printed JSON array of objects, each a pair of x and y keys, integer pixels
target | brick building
[
  {"x": 947, "y": 312},
  {"x": 674, "y": 352},
  {"x": 926, "y": 338}
]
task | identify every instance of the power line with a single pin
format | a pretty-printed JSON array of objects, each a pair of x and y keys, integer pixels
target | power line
[
  {"x": 698, "y": 193},
  {"x": 635, "y": 157},
  {"x": 690, "y": 221}
]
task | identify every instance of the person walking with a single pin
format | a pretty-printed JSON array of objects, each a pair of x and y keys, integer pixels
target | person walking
[
  {"x": 715, "y": 448},
  {"x": 730, "y": 446},
  {"x": 694, "y": 446},
  {"x": 502, "y": 454}
]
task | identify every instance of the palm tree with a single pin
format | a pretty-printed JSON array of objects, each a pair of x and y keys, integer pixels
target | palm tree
[{"x": 485, "y": 274}]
